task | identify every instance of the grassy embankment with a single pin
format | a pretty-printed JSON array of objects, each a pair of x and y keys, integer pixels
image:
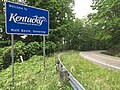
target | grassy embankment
[
  {"x": 91, "y": 76},
  {"x": 29, "y": 75}
]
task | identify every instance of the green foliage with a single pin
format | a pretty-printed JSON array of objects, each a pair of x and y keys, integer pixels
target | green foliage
[
  {"x": 60, "y": 13},
  {"x": 1, "y": 51},
  {"x": 33, "y": 48},
  {"x": 114, "y": 50},
  {"x": 60, "y": 10},
  {"x": 2, "y": 23},
  {"x": 50, "y": 47},
  {"x": 91, "y": 76},
  {"x": 78, "y": 35},
  {"x": 19, "y": 48},
  {"x": 61, "y": 47},
  {"x": 6, "y": 57},
  {"x": 4, "y": 43},
  {"x": 29, "y": 75},
  {"x": 105, "y": 22},
  {"x": 18, "y": 51},
  {"x": 1, "y": 64},
  {"x": 26, "y": 51}
]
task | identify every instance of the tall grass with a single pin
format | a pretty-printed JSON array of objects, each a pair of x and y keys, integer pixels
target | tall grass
[
  {"x": 30, "y": 75},
  {"x": 91, "y": 76}
]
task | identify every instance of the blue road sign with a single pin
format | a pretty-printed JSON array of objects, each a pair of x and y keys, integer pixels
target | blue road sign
[{"x": 21, "y": 19}]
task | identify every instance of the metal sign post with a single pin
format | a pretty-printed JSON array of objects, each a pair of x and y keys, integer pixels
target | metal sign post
[
  {"x": 12, "y": 55},
  {"x": 44, "y": 49},
  {"x": 44, "y": 55}
]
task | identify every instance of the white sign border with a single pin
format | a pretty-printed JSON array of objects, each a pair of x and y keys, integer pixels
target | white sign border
[{"x": 26, "y": 6}]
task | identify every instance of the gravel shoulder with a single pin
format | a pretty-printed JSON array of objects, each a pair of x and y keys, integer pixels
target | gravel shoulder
[{"x": 102, "y": 59}]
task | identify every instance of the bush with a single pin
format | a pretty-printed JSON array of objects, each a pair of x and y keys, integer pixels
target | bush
[
  {"x": 33, "y": 48},
  {"x": 61, "y": 47},
  {"x": 50, "y": 47},
  {"x": 115, "y": 48},
  {"x": 4, "y": 43},
  {"x": 27, "y": 51},
  {"x": 6, "y": 57},
  {"x": 18, "y": 51}
]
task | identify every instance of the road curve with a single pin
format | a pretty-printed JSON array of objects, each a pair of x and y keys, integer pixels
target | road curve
[{"x": 102, "y": 59}]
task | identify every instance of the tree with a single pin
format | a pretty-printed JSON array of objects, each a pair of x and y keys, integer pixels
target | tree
[
  {"x": 60, "y": 11},
  {"x": 2, "y": 20},
  {"x": 106, "y": 22},
  {"x": 78, "y": 35}
]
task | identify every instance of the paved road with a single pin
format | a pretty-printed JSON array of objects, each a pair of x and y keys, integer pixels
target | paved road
[{"x": 102, "y": 59}]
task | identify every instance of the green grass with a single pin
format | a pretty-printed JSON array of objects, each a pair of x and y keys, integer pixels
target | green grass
[
  {"x": 91, "y": 76},
  {"x": 29, "y": 75}
]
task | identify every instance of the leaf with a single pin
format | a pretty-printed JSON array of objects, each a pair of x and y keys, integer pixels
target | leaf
[{"x": 53, "y": 0}]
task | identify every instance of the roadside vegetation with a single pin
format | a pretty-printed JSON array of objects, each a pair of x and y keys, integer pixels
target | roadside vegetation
[
  {"x": 24, "y": 50},
  {"x": 29, "y": 75},
  {"x": 91, "y": 76},
  {"x": 114, "y": 51},
  {"x": 1, "y": 60}
]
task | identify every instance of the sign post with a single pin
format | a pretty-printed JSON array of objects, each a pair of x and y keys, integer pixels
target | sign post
[
  {"x": 44, "y": 49},
  {"x": 44, "y": 53},
  {"x": 22, "y": 19},
  {"x": 12, "y": 55}
]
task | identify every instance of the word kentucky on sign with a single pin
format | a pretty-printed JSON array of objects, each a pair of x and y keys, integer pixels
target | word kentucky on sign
[
  {"x": 21, "y": 19},
  {"x": 34, "y": 20}
]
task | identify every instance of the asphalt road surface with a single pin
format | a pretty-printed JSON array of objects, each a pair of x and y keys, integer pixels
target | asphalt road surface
[{"x": 102, "y": 59}]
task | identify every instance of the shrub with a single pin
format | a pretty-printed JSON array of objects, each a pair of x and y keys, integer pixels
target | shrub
[
  {"x": 27, "y": 51},
  {"x": 115, "y": 48},
  {"x": 4, "y": 43},
  {"x": 18, "y": 51},
  {"x": 33, "y": 48},
  {"x": 50, "y": 47},
  {"x": 61, "y": 47},
  {"x": 6, "y": 57}
]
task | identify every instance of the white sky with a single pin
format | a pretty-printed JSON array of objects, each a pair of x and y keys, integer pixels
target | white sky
[{"x": 82, "y": 8}]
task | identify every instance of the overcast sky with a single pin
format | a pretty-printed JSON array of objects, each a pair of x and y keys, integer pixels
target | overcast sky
[{"x": 82, "y": 8}]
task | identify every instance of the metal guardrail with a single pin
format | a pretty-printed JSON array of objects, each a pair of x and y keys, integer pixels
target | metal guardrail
[
  {"x": 66, "y": 75},
  {"x": 75, "y": 84}
]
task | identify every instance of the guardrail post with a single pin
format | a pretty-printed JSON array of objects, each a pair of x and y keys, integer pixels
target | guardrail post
[
  {"x": 58, "y": 65},
  {"x": 62, "y": 75},
  {"x": 65, "y": 75}
]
